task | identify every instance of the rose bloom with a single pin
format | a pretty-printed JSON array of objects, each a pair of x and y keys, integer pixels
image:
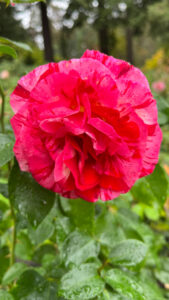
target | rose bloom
[
  {"x": 86, "y": 127},
  {"x": 158, "y": 86}
]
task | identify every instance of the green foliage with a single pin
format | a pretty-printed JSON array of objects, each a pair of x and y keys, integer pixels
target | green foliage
[
  {"x": 32, "y": 285},
  {"x": 7, "y": 51},
  {"x": 151, "y": 192},
  {"x": 130, "y": 286},
  {"x": 4, "y": 295},
  {"x": 58, "y": 258},
  {"x": 124, "y": 284},
  {"x": 128, "y": 253},
  {"x": 33, "y": 201},
  {"x": 6, "y": 149},
  {"x": 81, "y": 212},
  {"x": 13, "y": 273},
  {"x": 19, "y": 45},
  {"x": 78, "y": 248},
  {"x": 7, "y": 47},
  {"x": 163, "y": 110},
  {"x": 81, "y": 283}
]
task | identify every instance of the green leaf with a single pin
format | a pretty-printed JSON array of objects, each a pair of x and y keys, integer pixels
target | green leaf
[
  {"x": 13, "y": 273},
  {"x": 32, "y": 200},
  {"x": 32, "y": 286},
  {"x": 107, "y": 231},
  {"x": 81, "y": 213},
  {"x": 159, "y": 184},
  {"x": 152, "y": 190},
  {"x": 124, "y": 284},
  {"x": 6, "y": 50},
  {"x": 23, "y": 248},
  {"x": 163, "y": 109},
  {"x": 128, "y": 253},
  {"x": 6, "y": 149},
  {"x": 20, "y": 45},
  {"x": 162, "y": 276},
  {"x": 43, "y": 232},
  {"x": 151, "y": 289},
  {"x": 4, "y": 189},
  {"x": 4, "y": 203},
  {"x": 81, "y": 283},
  {"x": 142, "y": 192},
  {"x": 164, "y": 263},
  {"x": 131, "y": 223},
  {"x": 42, "y": 251},
  {"x": 78, "y": 248},
  {"x": 107, "y": 295},
  {"x": 152, "y": 212},
  {"x": 4, "y": 295},
  {"x": 63, "y": 228}
]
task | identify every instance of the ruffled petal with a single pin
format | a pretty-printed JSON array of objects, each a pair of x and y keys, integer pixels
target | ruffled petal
[
  {"x": 120, "y": 69},
  {"x": 151, "y": 155},
  {"x": 26, "y": 84}
]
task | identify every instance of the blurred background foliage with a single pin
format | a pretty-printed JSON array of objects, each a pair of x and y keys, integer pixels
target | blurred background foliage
[{"x": 60, "y": 240}]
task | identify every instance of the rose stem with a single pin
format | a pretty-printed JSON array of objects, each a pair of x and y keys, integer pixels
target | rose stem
[
  {"x": 2, "y": 109},
  {"x": 12, "y": 257}
]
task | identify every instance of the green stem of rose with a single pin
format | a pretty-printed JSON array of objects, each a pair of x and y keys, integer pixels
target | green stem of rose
[
  {"x": 2, "y": 109},
  {"x": 12, "y": 257}
]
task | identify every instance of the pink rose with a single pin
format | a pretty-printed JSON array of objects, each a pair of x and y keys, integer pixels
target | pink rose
[
  {"x": 158, "y": 86},
  {"x": 86, "y": 127}
]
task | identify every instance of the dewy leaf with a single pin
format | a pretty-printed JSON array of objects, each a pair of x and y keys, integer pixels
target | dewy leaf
[
  {"x": 81, "y": 213},
  {"x": 107, "y": 295},
  {"x": 163, "y": 109},
  {"x": 81, "y": 283},
  {"x": 152, "y": 290},
  {"x": 153, "y": 188},
  {"x": 63, "y": 227},
  {"x": 142, "y": 192},
  {"x": 32, "y": 200},
  {"x": 6, "y": 149},
  {"x": 128, "y": 253},
  {"x": 13, "y": 273},
  {"x": 124, "y": 284},
  {"x": 43, "y": 232},
  {"x": 130, "y": 221},
  {"x": 158, "y": 184},
  {"x": 107, "y": 230},
  {"x": 4, "y": 189},
  {"x": 16, "y": 44},
  {"x": 23, "y": 248},
  {"x": 32, "y": 286},
  {"x": 78, "y": 248},
  {"x": 4, "y": 295},
  {"x": 162, "y": 276},
  {"x": 6, "y": 50}
]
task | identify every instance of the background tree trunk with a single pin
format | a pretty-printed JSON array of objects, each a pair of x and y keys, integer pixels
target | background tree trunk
[
  {"x": 104, "y": 40},
  {"x": 48, "y": 50},
  {"x": 103, "y": 32}
]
